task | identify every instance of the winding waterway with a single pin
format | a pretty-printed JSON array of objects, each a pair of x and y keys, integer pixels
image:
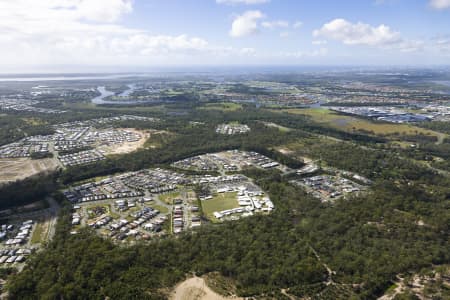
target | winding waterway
[{"x": 104, "y": 93}]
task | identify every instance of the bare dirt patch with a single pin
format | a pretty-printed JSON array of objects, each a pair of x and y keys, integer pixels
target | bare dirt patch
[
  {"x": 12, "y": 169},
  {"x": 195, "y": 288},
  {"x": 127, "y": 147}
]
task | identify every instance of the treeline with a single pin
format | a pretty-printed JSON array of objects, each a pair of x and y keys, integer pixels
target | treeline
[
  {"x": 371, "y": 163},
  {"x": 13, "y": 128},
  {"x": 26, "y": 191},
  {"x": 40, "y": 155},
  {"x": 440, "y": 126}
]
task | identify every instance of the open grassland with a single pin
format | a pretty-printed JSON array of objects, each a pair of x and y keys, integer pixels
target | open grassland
[
  {"x": 224, "y": 106},
  {"x": 42, "y": 230},
  {"x": 279, "y": 127},
  {"x": 354, "y": 124},
  {"x": 37, "y": 234},
  {"x": 169, "y": 197},
  {"x": 162, "y": 209},
  {"x": 219, "y": 202},
  {"x": 34, "y": 121}
]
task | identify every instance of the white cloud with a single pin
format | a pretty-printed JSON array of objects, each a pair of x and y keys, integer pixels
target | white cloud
[
  {"x": 364, "y": 34},
  {"x": 275, "y": 24},
  {"x": 285, "y": 34},
  {"x": 92, "y": 10},
  {"x": 246, "y": 24},
  {"x": 440, "y": 4},
  {"x": 319, "y": 42},
  {"x": 357, "y": 33},
  {"x": 442, "y": 44},
  {"x": 297, "y": 24},
  {"x": 87, "y": 32},
  {"x": 247, "y": 2},
  {"x": 247, "y": 52}
]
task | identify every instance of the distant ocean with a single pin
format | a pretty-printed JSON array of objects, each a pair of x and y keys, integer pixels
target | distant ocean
[{"x": 65, "y": 77}]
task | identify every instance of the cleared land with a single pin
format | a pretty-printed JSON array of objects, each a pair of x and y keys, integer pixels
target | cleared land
[
  {"x": 42, "y": 230},
  {"x": 128, "y": 146},
  {"x": 12, "y": 169},
  {"x": 352, "y": 124},
  {"x": 196, "y": 289},
  {"x": 274, "y": 125},
  {"x": 162, "y": 209},
  {"x": 169, "y": 197},
  {"x": 220, "y": 202}
]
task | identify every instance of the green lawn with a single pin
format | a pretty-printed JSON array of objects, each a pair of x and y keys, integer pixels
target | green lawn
[
  {"x": 162, "y": 209},
  {"x": 218, "y": 203},
  {"x": 37, "y": 233},
  {"x": 168, "y": 198}
]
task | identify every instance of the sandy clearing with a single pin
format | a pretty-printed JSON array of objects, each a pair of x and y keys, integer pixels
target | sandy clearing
[
  {"x": 127, "y": 147},
  {"x": 195, "y": 288},
  {"x": 20, "y": 168}
]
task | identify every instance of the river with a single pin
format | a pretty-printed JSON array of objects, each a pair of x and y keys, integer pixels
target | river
[{"x": 105, "y": 93}]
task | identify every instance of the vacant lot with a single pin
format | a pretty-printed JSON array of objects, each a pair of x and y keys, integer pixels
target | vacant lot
[
  {"x": 128, "y": 147},
  {"x": 196, "y": 289},
  {"x": 274, "y": 125},
  {"x": 220, "y": 202},
  {"x": 351, "y": 124},
  {"x": 43, "y": 230},
  {"x": 12, "y": 169},
  {"x": 169, "y": 197}
]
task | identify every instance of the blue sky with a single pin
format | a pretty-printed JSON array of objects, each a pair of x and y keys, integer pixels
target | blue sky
[{"x": 129, "y": 33}]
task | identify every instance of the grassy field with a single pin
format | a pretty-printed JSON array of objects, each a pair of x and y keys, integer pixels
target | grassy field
[
  {"x": 34, "y": 121},
  {"x": 168, "y": 198},
  {"x": 220, "y": 202},
  {"x": 162, "y": 209},
  {"x": 224, "y": 106},
  {"x": 280, "y": 128},
  {"x": 354, "y": 124},
  {"x": 36, "y": 238}
]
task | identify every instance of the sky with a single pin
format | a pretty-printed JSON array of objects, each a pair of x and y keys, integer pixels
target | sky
[{"x": 77, "y": 35}]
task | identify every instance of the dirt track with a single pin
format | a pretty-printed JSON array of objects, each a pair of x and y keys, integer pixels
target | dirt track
[{"x": 195, "y": 288}]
